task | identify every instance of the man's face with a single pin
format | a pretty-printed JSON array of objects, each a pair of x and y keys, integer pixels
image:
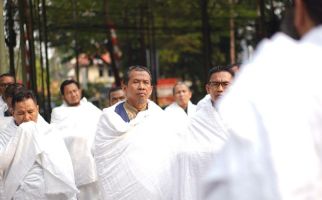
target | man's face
[
  {"x": 138, "y": 89},
  {"x": 72, "y": 95},
  {"x": 182, "y": 95},
  {"x": 218, "y": 83},
  {"x": 25, "y": 111},
  {"x": 4, "y": 82},
  {"x": 116, "y": 96}
]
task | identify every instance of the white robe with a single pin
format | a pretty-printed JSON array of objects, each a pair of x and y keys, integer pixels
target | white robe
[
  {"x": 3, "y": 107},
  {"x": 147, "y": 159},
  {"x": 273, "y": 110},
  {"x": 205, "y": 137},
  {"x": 35, "y": 163},
  {"x": 78, "y": 126},
  {"x": 178, "y": 116},
  {"x": 136, "y": 160},
  {"x": 203, "y": 102}
]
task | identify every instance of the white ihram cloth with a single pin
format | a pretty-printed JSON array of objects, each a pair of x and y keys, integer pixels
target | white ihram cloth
[
  {"x": 178, "y": 116},
  {"x": 3, "y": 107},
  {"x": 135, "y": 160},
  {"x": 147, "y": 159},
  {"x": 205, "y": 138},
  {"x": 4, "y": 121},
  {"x": 78, "y": 126},
  {"x": 35, "y": 163},
  {"x": 273, "y": 110},
  {"x": 203, "y": 102}
]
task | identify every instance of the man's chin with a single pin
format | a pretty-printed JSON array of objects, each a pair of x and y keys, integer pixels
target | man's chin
[{"x": 74, "y": 104}]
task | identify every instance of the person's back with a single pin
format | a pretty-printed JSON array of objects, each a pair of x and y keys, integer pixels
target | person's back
[{"x": 276, "y": 134}]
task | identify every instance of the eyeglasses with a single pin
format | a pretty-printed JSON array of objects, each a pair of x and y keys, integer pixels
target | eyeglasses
[{"x": 216, "y": 84}]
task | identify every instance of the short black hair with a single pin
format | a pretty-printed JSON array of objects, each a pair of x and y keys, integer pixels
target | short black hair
[
  {"x": 23, "y": 95},
  {"x": 219, "y": 68},
  {"x": 12, "y": 89},
  {"x": 126, "y": 77},
  {"x": 314, "y": 8},
  {"x": 7, "y": 74},
  {"x": 113, "y": 89},
  {"x": 67, "y": 82}
]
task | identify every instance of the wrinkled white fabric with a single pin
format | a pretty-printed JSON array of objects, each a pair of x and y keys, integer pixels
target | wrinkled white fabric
[
  {"x": 36, "y": 163},
  {"x": 3, "y": 107},
  {"x": 78, "y": 125},
  {"x": 205, "y": 137},
  {"x": 4, "y": 121},
  {"x": 136, "y": 160},
  {"x": 147, "y": 159},
  {"x": 178, "y": 116},
  {"x": 203, "y": 102},
  {"x": 273, "y": 110}
]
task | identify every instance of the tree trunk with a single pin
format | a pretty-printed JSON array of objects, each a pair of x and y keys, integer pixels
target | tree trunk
[
  {"x": 232, "y": 33},
  {"x": 206, "y": 39}
]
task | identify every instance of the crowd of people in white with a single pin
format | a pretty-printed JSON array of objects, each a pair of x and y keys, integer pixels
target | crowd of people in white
[{"x": 256, "y": 135}]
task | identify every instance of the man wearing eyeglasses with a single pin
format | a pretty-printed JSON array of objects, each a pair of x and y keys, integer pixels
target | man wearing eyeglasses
[
  {"x": 218, "y": 81},
  {"x": 219, "y": 78},
  {"x": 5, "y": 80}
]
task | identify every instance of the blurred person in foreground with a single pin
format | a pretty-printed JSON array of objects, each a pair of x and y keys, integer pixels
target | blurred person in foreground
[
  {"x": 34, "y": 161},
  {"x": 115, "y": 95},
  {"x": 181, "y": 110},
  {"x": 77, "y": 119},
  {"x": 275, "y": 146}
]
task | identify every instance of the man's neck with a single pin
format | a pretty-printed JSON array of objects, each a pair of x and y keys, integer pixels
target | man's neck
[
  {"x": 183, "y": 106},
  {"x": 132, "y": 111}
]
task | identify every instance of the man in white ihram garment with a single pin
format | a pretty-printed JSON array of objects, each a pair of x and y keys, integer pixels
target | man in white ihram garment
[
  {"x": 133, "y": 147},
  {"x": 181, "y": 110},
  {"x": 273, "y": 111},
  {"x": 77, "y": 119},
  {"x": 5, "y": 80},
  {"x": 206, "y": 135},
  {"x": 34, "y": 162}
]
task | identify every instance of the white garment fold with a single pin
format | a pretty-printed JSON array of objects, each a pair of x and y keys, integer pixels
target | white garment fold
[
  {"x": 78, "y": 125},
  {"x": 3, "y": 107},
  {"x": 179, "y": 117},
  {"x": 34, "y": 153},
  {"x": 135, "y": 160},
  {"x": 147, "y": 159},
  {"x": 205, "y": 137},
  {"x": 273, "y": 110}
]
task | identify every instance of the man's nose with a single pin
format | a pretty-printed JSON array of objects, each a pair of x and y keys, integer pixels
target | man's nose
[
  {"x": 27, "y": 118},
  {"x": 220, "y": 88},
  {"x": 141, "y": 85}
]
